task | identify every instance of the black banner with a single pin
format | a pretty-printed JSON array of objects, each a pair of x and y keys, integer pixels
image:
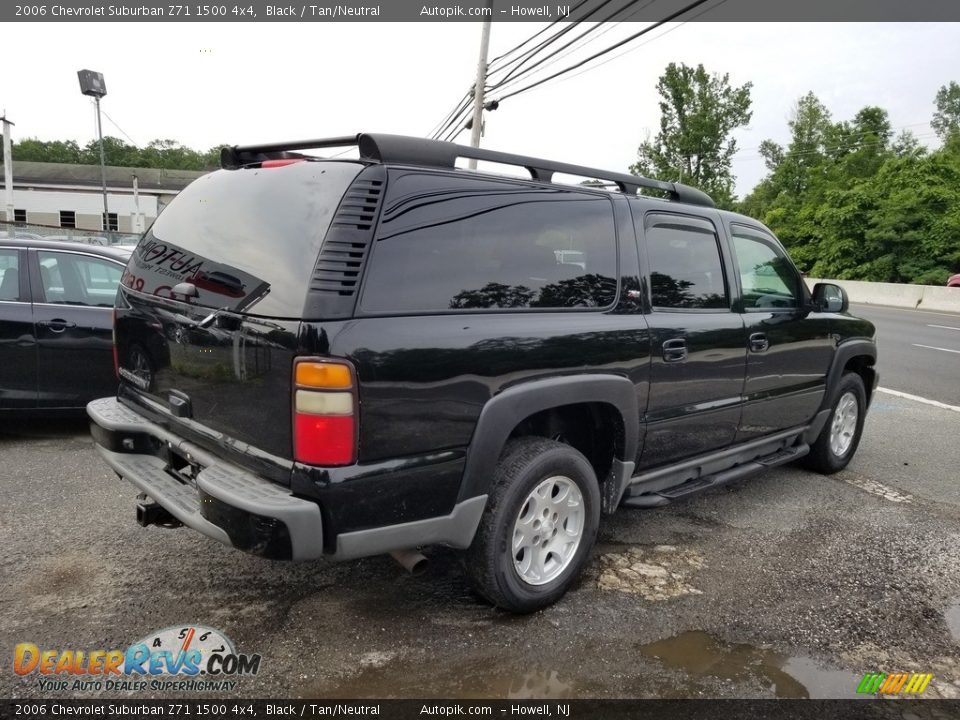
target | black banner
[
  {"x": 130, "y": 708},
  {"x": 478, "y": 10}
]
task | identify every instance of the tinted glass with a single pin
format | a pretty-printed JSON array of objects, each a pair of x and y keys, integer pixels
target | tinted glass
[
  {"x": 9, "y": 275},
  {"x": 247, "y": 239},
  {"x": 685, "y": 266},
  {"x": 768, "y": 279},
  {"x": 462, "y": 243},
  {"x": 70, "y": 279}
]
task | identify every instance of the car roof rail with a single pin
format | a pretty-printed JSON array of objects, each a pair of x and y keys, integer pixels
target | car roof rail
[{"x": 407, "y": 150}]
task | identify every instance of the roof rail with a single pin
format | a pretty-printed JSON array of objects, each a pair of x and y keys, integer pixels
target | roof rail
[{"x": 403, "y": 149}]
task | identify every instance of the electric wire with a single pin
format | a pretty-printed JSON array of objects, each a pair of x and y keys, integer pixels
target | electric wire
[{"x": 610, "y": 49}]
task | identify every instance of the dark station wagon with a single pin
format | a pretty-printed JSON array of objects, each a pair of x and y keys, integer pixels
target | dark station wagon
[{"x": 340, "y": 358}]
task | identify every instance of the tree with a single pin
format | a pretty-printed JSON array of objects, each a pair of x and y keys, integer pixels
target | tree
[
  {"x": 168, "y": 154},
  {"x": 33, "y": 150},
  {"x": 946, "y": 119},
  {"x": 698, "y": 113}
]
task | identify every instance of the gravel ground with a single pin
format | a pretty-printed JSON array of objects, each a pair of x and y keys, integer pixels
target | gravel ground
[{"x": 785, "y": 585}]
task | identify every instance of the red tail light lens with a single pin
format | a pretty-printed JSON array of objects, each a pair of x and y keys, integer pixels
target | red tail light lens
[{"x": 324, "y": 413}]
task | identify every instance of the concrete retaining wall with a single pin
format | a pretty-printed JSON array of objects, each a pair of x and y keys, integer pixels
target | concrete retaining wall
[{"x": 920, "y": 297}]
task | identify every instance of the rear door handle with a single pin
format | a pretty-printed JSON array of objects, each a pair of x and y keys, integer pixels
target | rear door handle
[
  {"x": 674, "y": 350},
  {"x": 57, "y": 325},
  {"x": 759, "y": 343}
]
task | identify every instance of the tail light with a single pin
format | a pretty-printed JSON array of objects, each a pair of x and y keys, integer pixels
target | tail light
[
  {"x": 113, "y": 336},
  {"x": 324, "y": 412}
]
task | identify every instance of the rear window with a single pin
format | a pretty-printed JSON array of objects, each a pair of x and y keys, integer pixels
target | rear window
[
  {"x": 247, "y": 239},
  {"x": 450, "y": 243}
]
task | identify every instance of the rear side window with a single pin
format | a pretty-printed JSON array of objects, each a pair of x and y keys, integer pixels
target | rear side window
[
  {"x": 686, "y": 271},
  {"x": 463, "y": 243},
  {"x": 247, "y": 239},
  {"x": 71, "y": 279},
  {"x": 9, "y": 275}
]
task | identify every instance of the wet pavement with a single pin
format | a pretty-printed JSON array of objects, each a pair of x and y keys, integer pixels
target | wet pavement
[{"x": 785, "y": 585}]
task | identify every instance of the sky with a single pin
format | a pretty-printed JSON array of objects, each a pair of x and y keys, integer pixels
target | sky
[{"x": 206, "y": 84}]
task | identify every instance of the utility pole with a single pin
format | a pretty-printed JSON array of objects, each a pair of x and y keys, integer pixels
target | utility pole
[
  {"x": 92, "y": 85},
  {"x": 481, "y": 82},
  {"x": 103, "y": 167},
  {"x": 7, "y": 169}
]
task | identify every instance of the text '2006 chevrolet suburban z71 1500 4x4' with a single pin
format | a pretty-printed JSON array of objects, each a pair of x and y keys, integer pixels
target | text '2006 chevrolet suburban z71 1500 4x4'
[{"x": 341, "y": 358}]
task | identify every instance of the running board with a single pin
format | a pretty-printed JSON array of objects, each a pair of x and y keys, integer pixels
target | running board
[{"x": 691, "y": 487}]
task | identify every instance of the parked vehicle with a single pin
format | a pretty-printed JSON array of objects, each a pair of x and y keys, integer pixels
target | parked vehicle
[
  {"x": 56, "y": 322},
  {"x": 954, "y": 280},
  {"x": 410, "y": 354}
]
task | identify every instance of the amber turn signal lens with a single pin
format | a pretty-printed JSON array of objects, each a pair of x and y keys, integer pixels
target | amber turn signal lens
[{"x": 325, "y": 376}]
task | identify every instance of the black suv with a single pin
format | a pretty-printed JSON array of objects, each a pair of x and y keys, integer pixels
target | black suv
[{"x": 339, "y": 358}]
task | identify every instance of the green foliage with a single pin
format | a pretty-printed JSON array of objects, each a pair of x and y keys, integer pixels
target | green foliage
[
  {"x": 851, "y": 202},
  {"x": 167, "y": 154},
  {"x": 698, "y": 112},
  {"x": 946, "y": 120}
]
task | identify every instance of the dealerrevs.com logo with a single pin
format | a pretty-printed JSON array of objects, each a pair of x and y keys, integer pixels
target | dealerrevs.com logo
[{"x": 181, "y": 658}]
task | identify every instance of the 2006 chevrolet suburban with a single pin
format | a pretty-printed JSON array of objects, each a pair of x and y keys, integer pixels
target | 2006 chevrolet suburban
[{"x": 339, "y": 358}]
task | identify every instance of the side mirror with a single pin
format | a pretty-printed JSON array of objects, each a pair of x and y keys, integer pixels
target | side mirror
[{"x": 828, "y": 297}]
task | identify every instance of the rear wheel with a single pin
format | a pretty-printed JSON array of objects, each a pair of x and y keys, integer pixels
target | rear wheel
[
  {"x": 838, "y": 441},
  {"x": 539, "y": 526}
]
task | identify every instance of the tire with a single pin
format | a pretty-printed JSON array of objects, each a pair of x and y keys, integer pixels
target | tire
[
  {"x": 833, "y": 450},
  {"x": 535, "y": 475},
  {"x": 141, "y": 365}
]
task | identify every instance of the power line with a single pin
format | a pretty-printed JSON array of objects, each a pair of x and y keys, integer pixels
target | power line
[
  {"x": 623, "y": 42},
  {"x": 559, "y": 55},
  {"x": 456, "y": 116},
  {"x": 497, "y": 59},
  {"x": 122, "y": 131},
  {"x": 441, "y": 126},
  {"x": 513, "y": 76}
]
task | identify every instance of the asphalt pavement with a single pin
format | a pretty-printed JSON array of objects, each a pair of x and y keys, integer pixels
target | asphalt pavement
[
  {"x": 919, "y": 351},
  {"x": 788, "y": 584}
]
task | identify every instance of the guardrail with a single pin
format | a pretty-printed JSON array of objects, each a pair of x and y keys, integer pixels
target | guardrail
[{"x": 916, "y": 297}]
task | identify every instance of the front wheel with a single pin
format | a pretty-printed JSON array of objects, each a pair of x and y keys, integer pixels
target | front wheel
[
  {"x": 539, "y": 526},
  {"x": 835, "y": 446}
]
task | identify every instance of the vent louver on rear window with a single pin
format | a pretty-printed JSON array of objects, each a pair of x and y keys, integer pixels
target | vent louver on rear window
[{"x": 341, "y": 259}]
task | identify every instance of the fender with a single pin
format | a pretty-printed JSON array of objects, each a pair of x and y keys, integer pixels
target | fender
[
  {"x": 506, "y": 410},
  {"x": 847, "y": 350}
]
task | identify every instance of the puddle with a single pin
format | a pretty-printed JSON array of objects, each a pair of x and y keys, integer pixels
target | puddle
[
  {"x": 952, "y": 616},
  {"x": 655, "y": 573},
  {"x": 397, "y": 679},
  {"x": 703, "y": 656}
]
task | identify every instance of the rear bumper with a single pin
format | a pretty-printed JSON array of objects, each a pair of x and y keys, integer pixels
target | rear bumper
[{"x": 226, "y": 503}]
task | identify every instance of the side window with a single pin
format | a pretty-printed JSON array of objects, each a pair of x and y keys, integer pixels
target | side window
[
  {"x": 9, "y": 275},
  {"x": 768, "y": 279},
  {"x": 685, "y": 266},
  {"x": 71, "y": 279},
  {"x": 450, "y": 243}
]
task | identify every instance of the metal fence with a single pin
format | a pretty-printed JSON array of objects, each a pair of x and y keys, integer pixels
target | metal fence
[{"x": 47, "y": 232}]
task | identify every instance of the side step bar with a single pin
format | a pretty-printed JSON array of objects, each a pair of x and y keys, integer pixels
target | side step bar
[{"x": 691, "y": 487}]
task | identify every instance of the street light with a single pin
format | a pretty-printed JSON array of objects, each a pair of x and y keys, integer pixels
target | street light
[{"x": 92, "y": 85}]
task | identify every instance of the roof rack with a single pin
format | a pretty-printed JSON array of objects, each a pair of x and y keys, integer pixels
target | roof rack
[{"x": 402, "y": 149}]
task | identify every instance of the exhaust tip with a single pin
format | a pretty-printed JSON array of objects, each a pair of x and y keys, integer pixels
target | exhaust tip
[{"x": 412, "y": 561}]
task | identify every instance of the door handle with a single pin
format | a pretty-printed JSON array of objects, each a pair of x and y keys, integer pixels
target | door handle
[
  {"x": 759, "y": 343},
  {"x": 57, "y": 325},
  {"x": 674, "y": 350}
]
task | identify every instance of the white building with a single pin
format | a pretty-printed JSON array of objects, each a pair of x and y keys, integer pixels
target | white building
[{"x": 70, "y": 196}]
